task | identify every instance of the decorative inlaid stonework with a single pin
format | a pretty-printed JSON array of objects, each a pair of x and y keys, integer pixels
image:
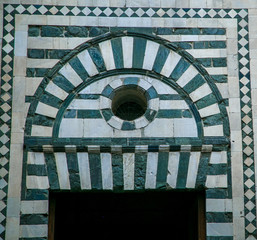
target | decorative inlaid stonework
[{"x": 40, "y": 69}]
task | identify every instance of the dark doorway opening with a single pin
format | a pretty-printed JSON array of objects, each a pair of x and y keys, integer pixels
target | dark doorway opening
[{"x": 176, "y": 215}]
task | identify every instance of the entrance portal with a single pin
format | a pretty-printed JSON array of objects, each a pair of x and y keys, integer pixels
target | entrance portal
[{"x": 177, "y": 215}]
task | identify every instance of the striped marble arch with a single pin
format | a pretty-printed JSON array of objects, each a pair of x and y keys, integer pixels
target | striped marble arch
[
  {"x": 97, "y": 61},
  {"x": 78, "y": 143}
]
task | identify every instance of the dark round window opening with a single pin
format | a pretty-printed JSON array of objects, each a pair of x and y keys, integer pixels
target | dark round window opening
[{"x": 129, "y": 103}]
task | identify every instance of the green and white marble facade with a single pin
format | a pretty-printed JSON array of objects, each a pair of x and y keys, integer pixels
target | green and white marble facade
[{"x": 196, "y": 55}]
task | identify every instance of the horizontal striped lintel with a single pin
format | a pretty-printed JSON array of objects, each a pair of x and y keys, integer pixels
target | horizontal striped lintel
[{"x": 121, "y": 149}]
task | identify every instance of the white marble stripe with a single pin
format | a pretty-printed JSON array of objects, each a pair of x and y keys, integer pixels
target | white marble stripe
[
  {"x": 55, "y": 42},
  {"x": 208, "y": 53},
  {"x": 41, "y": 131},
  {"x": 219, "y": 229},
  {"x": 32, "y": 84},
  {"x": 190, "y": 38},
  {"x": 33, "y": 231},
  {"x": 173, "y": 104},
  {"x": 216, "y": 181},
  {"x": 127, "y": 49},
  {"x": 56, "y": 91},
  {"x": 187, "y": 76},
  {"x": 170, "y": 63},
  {"x": 218, "y": 157},
  {"x": 200, "y": 92},
  {"x": 219, "y": 205},
  {"x": 69, "y": 73},
  {"x": 36, "y": 158},
  {"x": 88, "y": 63},
  {"x": 173, "y": 165},
  {"x": 217, "y": 70},
  {"x": 107, "y": 54},
  {"x": 84, "y": 104},
  {"x": 62, "y": 170},
  {"x": 37, "y": 182},
  {"x": 20, "y": 42},
  {"x": 209, "y": 110},
  {"x": 151, "y": 170},
  {"x": 106, "y": 166},
  {"x": 46, "y": 110},
  {"x": 215, "y": 130},
  {"x": 84, "y": 170},
  {"x": 41, "y": 63},
  {"x": 128, "y": 170},
  {"x": 34, "y": 207},
  {"x": 150, "y": 54},
  {"x": 192, "y": 169}
]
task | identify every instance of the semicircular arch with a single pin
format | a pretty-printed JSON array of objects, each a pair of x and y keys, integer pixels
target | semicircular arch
[{"x": 126, "y": 53}]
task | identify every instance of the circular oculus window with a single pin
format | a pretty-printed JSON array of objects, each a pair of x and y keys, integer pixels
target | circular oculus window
[
  {"x": 129, "y": 106},
  {"x": 129, "y": 103}
]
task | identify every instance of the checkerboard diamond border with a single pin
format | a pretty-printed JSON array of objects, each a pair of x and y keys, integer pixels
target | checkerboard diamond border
[{"x": 243, "y": 57}]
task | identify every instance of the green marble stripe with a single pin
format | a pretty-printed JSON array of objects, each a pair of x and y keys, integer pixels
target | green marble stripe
[
  {"x": 138, "y": 52},
  {"x": 107, "y": 114},
  {"x": 160, "y": 59},
  {"x": 88, "y": 114},
  {"x": 63, "y": 83},
  {"x": 170, "y": 97},
  {"x": 202, "y": 169},
  {"x": 186, "y": 114},
  {"x": 89, "y": 31},
  {"x": 219, "y": 217},
  {"x": 213, "y": 120},
  {"x": 50, "y": 100},
  {"x": 97, "y": 58},
  {"x": 182, "y": 170},
  {"x": 162, "y": 167},
  {"x": 117, "y": 52},
  {"x": 95, "y": 170},
  {"x": 117, "y": 172},
  {"x": 52, "y": 171},
  {"x": 181, "y": 67},
  {"x": 36, "y": 72},
  {"x": 33, "y": 219},
  {"x": 131, "y": 81},
  {"x": 213, "y": 31},
  {"x": 195, "y": 83},
  {"x": 173, "y": 113},
  {"x": 47, "y": 53},
  {"x": 150, "y": 114},
  {"x": 151, "y": 93},
  {"x": 73, "y": 169},
  {"x": 219, "y": 143},
  {"x": 42, "y": 120},
  {"x": 220, "y": 238},
  {"x": 36, "y": 53},
  {"x": 209, "y": 44},
  {"x": 79, "y": 68},
  {"x": 217, "y": 169},
  {"x": 70, "y": 113},
  {"x": 88, "y": 96},
  {"x": 206, "y": 101},
  {"x": 108, "y": 92},
  {"x": 219, "y": 62},
  {"x": 128, "y": 126},
  {"x": 220, "y": 78},
  {"x": 36, "y": 170},
  {"x": 140, "y": 170},
  {"x": 37, "y": 194}
]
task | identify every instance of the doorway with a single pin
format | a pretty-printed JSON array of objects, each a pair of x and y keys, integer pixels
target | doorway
[{"x": 176, "y": 215}]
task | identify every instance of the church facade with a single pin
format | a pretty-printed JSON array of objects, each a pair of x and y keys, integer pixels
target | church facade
[{"x": 127, "y": 97}]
